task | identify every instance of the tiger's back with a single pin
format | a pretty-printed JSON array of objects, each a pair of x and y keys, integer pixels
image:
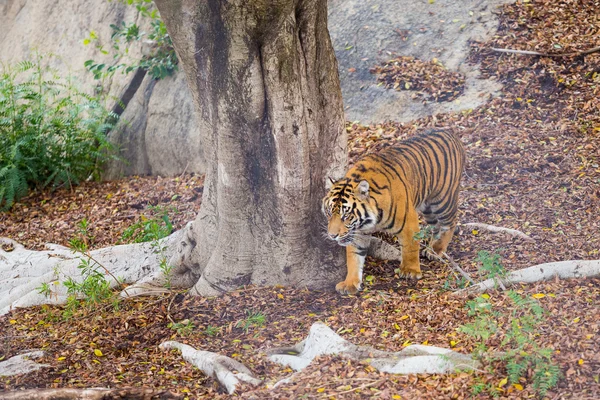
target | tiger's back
[{"x": 383, "y": 191}]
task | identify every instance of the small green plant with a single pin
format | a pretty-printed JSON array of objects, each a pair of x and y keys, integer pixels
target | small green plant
[
  {"x": 51, "y": 133},
  {"x": 253, "y": 319},
  {"x": 45, "y": 290},
  {"x": 212, "y": 330},
  {"x": 94, "y": 287},
  {"x": 183, "y": 328},
  {"x": 153, "y": 229},
  {"x": 522, "y": 357},
  {"x": 426, "y": 232},
  {"x": 454, "y": 282},
  {"x": 160, "y": 60},
  {"x": 491, "y": 264}
]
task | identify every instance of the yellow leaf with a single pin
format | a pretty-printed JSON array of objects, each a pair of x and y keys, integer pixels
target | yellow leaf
[
  {"x": 13, "y": 321},
  {"x": 404, "y": 317},
  {"x": 312, "y": 315},
  {"x": 576, "y": 320},
  {"x": 98, "y": 353},
  {"x": 425, "y": 343},
  {"x": 61, "y": 358},
  {"x": 485, "y": 296},
  {"x": 475, "y": 232},
  {"x": 580, "y": 362},
  {"x": 396, "y": 326},
  {"x": 518, "y": 386},
  {"x": 407, "y": 343},
  {"x": 503, "y": 382},
  {"x": 453, "y": 343},
  {"x": 279, "y": 295},
  {"x": 397, "y": 396},
  {"x": 538, "y": 295},
  {"x": 320, "y": 390}
]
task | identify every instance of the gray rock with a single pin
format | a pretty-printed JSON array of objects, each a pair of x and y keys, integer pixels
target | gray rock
[
  {"x": 368, "y": 32},
  {"x": 162, "y": 135},
  {"x": 158, "y": 133}
]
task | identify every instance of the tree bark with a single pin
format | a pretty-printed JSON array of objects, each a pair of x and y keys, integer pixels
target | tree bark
[{"x": 264, "y": 78}]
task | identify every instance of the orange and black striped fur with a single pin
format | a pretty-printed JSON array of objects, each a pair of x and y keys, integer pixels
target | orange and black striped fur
[{"x": 382, "y": 193}]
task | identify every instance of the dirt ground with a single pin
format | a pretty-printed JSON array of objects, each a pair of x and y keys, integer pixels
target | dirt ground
[{"x": 533, "y": 165}]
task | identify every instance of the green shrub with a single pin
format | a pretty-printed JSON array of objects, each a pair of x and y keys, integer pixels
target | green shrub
[
  {"x": 51, "y": 134},
  {"x": 159, "y": 61},
  {"x": 523, "y": 358}
]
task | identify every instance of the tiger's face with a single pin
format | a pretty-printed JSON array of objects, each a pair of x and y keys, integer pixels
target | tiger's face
[{"x": 348, "y": 210}]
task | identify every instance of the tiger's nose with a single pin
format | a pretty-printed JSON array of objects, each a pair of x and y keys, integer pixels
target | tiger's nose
[{"x": 333, "y": 235}]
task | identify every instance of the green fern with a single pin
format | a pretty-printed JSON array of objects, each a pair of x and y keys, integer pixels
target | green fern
[
  {"x": 12, "y": 186},
  {"x": 51, "y": 134}
]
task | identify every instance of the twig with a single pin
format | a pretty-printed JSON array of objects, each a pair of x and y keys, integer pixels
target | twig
[
  {"x": 453, "y": 264},
  {"x": 361, "y": 387},
  {"x": 495, "y": 229},
  {"x": 535, "y": 53}
]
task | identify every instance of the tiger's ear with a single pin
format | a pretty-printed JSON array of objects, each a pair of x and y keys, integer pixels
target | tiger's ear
[
  {"x": 329, "y": 183},
  {"x": 363, "y": 190}
]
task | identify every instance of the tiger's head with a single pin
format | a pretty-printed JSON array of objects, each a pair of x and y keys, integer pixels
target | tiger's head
[{"x": 349, "y": 210}]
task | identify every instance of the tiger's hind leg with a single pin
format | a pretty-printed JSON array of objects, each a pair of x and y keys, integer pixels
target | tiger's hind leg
[{"x": 447, "y": 217}]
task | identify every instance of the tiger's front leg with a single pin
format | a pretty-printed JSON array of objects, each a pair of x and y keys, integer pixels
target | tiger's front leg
[
  {"x": 410, "y": 267},
  {"x": 355, "y": 261}
]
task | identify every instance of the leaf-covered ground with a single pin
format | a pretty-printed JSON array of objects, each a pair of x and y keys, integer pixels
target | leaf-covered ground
[{"x": 534, "y": 155}]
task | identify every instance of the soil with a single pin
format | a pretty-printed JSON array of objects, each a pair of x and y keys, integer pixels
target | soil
[{"x": 533, "y": 165}]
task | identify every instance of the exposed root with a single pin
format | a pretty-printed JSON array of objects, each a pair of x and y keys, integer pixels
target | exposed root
[
  {"x": 382, "y": 250},
  {"x": 541, "y": 272},
  {"x": 414, "y": 359},
  {"x": 496, "y": 229},
  {"x": 24, "y": 271},
  {"x": 21, "y": 364},
  {"x": 219, "y": 367}
]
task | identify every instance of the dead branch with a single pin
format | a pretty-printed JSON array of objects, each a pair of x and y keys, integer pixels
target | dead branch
[
  {"x": 535, "y": 53},
  {"x": 541, "y": 272},
  {"x": 496, "y": 229},
  {"x": 89, "y": 394}
]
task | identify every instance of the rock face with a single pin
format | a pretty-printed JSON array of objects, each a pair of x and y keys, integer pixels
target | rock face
[
  {"x": 159, "y": 134},
  {"x": 368, "y": 32}
]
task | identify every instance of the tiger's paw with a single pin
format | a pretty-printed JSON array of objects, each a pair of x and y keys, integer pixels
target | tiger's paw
[
  {"x": 410, "y": 274},
  {"x": 345, "y": 287}
]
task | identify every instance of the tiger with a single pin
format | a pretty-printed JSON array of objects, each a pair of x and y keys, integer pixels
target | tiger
[{"x": 383, "y": 192}]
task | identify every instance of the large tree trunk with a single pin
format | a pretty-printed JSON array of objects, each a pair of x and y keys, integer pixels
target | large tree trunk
[{"x": 264, "y": 78}]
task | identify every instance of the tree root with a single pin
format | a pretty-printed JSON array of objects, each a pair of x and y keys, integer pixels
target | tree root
[
  {"x": 24, "y": 271},
  {"x": 414, "y": 359},
  {"x": 89, "y": 394},
  {"x": 21, "y": 364},
  {"x": 219, "y": 367},
  {"x": 495, "y": 229},
  {"x": 382, "y": 250},
  {"x": 541, "y": 272}
]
